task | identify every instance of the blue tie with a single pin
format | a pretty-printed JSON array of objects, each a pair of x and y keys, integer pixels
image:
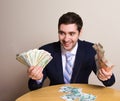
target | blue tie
[{"x": 68, "y": 67}]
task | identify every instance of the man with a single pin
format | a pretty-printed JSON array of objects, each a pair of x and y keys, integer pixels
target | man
[{"x": 83, "y": 57}]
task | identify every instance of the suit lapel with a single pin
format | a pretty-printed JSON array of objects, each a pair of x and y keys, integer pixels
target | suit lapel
[
  {"x": 78, "y": 62},
  {"x": 58, "y": 61}
]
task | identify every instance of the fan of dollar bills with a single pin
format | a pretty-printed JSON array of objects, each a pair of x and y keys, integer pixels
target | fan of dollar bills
[
  {"x": 101, "y": 60},
  {"x": 34, "y": 57}
]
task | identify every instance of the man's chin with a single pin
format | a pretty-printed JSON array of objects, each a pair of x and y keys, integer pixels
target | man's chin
[{"x": 67, "y": 48}]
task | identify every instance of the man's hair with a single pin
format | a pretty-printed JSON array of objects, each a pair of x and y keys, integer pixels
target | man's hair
[{"x": 71, "y": 18}]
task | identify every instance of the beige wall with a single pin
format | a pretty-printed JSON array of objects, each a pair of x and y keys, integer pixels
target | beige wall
[{"x": 28, "y": 24}]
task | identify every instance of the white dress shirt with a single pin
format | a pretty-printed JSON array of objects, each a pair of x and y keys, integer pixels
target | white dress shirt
[{"x": 73, "y": 51}]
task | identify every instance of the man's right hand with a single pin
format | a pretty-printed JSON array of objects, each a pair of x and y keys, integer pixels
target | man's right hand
[{"x": 35, "y": 72}]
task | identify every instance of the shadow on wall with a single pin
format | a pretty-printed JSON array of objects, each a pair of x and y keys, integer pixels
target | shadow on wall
[
  {"x": 22, "y": 90},
  {"x": 14, "y": 89}
]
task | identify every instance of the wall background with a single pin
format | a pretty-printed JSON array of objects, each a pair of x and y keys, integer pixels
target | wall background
[{"x": 28, "y": 24}]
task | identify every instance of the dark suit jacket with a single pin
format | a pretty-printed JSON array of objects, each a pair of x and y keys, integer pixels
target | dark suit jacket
[{"x": 84, "y": 65}]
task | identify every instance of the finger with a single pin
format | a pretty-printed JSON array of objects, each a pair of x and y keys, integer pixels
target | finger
[
  {"x": 39, "y": 68},
  {"x": 36, "y": 69},
  {"x": 36, "y": 73},
  {"x": 37, "y": 76},
  {"x": 101, "y": 73},
  {"x": 29, "y": 70},
  {"x": 103, "y": 79},
  {"x": 103, "y": 76},
  {"x": 109, "y": 73}
]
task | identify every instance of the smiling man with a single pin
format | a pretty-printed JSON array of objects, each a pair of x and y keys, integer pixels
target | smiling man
[
  {"x": 68, "y": 36},
  {"x": 80, "y": 64}
]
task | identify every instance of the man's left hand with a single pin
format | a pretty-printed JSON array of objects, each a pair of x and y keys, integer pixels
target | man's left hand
[{"x": 104, "y": 75}]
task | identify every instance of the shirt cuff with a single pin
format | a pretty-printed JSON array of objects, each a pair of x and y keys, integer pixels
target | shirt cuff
[{"x": 39, "y": 81}]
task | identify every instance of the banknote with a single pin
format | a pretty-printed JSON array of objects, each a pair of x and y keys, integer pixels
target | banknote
[
  {"x": 75, "y": 94},
  {"x": 34, "y": 57},
  {"x": 101, "y": 60}
]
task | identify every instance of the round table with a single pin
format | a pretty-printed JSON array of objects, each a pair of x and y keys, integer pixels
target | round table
[{"x": 51, "y": 93}]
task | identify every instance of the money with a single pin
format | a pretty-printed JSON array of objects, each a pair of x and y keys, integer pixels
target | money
[
  {"x": 34, "y": 57},
  {"x": 75, "y": 94},
  {"x": 100, "y": 58}
]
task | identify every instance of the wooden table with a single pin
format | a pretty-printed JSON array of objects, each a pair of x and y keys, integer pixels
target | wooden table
[{"x": 51, "y": 93}]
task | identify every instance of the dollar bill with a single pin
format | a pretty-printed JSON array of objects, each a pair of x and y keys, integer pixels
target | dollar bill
[{"x": 34, "y": 57}]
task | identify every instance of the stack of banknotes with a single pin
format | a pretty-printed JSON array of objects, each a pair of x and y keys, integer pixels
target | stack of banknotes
[
  {"x": 75, "y": 94},
  {"x": 100, "y": 58},
  {"x": 34, "y": 57}
]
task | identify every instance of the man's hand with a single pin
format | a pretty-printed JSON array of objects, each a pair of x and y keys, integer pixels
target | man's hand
[
  {"x": 102, "y": 62},
  {"x": 104, "y": 75},
  {"x": 104, "y": 72},
  {"x": 35, "y": 72}
]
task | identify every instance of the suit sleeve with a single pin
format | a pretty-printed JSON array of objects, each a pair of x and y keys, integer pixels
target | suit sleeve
[
  {"x": 109, "y": 82},
  {"x": 33, "y": 85}
]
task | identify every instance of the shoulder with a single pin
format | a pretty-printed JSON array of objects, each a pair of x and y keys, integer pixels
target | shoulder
[
  {"x": 51, "y": 46},
  {"x": 86, "y": 46},
  {"x": 84, "y": 43}
]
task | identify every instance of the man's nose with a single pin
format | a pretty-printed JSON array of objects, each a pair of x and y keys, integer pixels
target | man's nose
[{"x": 66, "y": 38}]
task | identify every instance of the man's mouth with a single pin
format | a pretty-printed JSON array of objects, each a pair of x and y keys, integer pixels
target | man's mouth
[{"x": 66, "y": 44}]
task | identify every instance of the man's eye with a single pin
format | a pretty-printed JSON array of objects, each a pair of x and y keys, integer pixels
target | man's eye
[
  {"x": 72, "y": 33},
  {"x": 61, "y": 32}
]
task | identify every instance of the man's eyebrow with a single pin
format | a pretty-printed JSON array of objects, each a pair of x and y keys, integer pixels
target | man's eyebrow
[
  {"x": 71, "y": 32},
  {"x": 60, "y": 31}
]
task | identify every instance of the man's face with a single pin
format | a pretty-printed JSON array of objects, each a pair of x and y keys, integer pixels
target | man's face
[{"x": 68, "y": 36}]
